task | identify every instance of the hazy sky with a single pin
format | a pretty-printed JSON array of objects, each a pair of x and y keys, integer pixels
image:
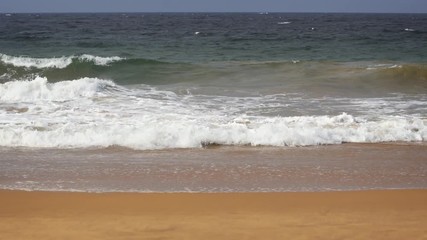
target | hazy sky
[{"x": 404, "y": 6}]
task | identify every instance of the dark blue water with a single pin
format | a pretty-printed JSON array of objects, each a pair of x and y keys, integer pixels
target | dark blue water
[{"x": 202, "y": 37}]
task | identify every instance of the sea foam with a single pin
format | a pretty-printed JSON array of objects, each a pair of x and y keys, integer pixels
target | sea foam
[
  {"x": 157, "y": 132},
  {"x": 103, "y": 61},
  {"x": 40, "y": 89},
  {"x": 22, "y": 61},
  {"x": 91, "y": 112},
  {"x": 55, "y": 62}
]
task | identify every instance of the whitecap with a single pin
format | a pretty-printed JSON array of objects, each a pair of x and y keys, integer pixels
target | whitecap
[
  {"x": 24, "y": 61},
  {"x": 55, "y": 62},
  {"x": 39, "y": 89},
  {"x": 102, "y": 61}
]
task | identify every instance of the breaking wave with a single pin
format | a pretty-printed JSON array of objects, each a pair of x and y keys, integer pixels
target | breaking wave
[
  {"x": 55, "y": 62},
  {"x": 155, "y": 132},
  {"x": 40, "y": 89},
  {"x": 92, "y": 112}
]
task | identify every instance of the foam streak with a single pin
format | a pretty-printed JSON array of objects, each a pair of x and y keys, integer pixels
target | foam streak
[{"x": 55, "y": 62}]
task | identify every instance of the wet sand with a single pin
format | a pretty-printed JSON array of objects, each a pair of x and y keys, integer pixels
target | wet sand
[
  {"x": 393, "y": 214},
  {"x": 217, "y": 169}
]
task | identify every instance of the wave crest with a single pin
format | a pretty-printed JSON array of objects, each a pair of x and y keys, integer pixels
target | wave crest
[
  {"x": 55, "y": 62},
  {"x": 40, "y": 89},
  {"x": 159, "y": 132},
  {"x": 102, "y": 61}
]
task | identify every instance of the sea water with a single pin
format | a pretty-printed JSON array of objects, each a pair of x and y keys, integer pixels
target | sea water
[{"x": 150, "y": 81}]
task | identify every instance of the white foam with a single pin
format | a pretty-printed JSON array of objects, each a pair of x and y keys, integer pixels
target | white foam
[
  {"x": 55, "y": 62},
  {"x": 92, "y": 112},
  {"x": 383, "y": 66},
  {"x": 283, "y": 23},
  {"x": 28, "y": 62},
  {"x": 40, "y": 89},
  {"x": 100, "y": 60},
  {"x": 409, "y": 29},
  {"x": 155, "y": 132}
]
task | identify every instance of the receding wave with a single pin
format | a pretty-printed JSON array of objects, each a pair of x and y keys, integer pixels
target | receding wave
[{"x": 55, "y": 62}]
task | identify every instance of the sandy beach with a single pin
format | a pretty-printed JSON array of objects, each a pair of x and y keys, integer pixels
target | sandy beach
[
  {"x": 393, "y": 214},
  {"x": 243, "y": 122}
]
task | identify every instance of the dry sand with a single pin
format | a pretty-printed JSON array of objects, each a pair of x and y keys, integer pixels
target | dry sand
[{"x": 396, "y": 214}]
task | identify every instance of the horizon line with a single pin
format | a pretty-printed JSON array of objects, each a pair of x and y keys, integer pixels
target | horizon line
[{"x": 259, "y": 12}]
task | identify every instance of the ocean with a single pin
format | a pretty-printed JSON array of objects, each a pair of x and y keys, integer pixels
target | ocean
[{"x": 113, "y": 85}]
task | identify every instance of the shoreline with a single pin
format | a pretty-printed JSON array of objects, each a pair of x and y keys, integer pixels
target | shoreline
[
  {"x": 374, "y": 214},
  {"x": 219, "y": 169}
]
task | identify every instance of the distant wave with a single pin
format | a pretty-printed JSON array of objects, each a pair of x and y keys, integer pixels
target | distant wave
[
  {"x": 55, "y": 62},
  {"x": 409, "y": 72},
  {"x": 292, "y": 75},
  {"x": 102, "y": 61},
  {"x": 60, "y": 62},
  {"x": 383, "y": 66}
]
